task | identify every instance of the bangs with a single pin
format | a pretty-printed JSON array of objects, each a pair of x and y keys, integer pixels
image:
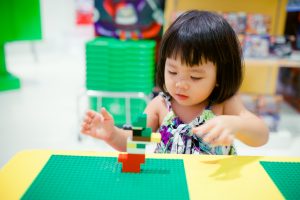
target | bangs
[
  {"x": 189, "y": 52},
  {"x": 195, "y": 44}
]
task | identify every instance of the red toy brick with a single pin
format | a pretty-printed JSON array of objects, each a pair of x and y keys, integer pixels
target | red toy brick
[{"x": 131, "y": 162}]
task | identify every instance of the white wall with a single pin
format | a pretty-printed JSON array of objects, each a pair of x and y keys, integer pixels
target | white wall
[{"x": 58, "y": 18}]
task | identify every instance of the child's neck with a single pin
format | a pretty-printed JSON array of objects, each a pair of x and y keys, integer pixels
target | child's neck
[{"x": 188, "y": 113}]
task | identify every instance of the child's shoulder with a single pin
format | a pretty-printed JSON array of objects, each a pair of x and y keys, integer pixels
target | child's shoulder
[
  {"x": 158, "y": 102},
  {"x": 233, "y": 105},
  {"x": 156, "y": 110},
  {"x": 227, "y": 106}
]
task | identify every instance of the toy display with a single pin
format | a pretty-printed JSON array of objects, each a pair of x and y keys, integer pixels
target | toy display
[
  {"x": 258, "y": 24},
  {"x": 129, "y": 19},
  {"x": 252, "y": 30},
  {"x": 256, "y": 46},
  {"x": 238, "y": 21}
]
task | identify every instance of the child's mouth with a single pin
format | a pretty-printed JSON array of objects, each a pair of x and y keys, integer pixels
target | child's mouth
[{"x": 181, "y": 96}]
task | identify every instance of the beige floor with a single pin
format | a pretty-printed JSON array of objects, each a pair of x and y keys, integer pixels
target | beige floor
[{"x": 43, "y": 113}]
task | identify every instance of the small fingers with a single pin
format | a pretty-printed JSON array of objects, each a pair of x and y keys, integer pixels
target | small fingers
[
  {"x": 225, "y": 139},
  {"x": 89, "y": 116},
  {"x": 93, "y": 116},
  {"x": 91, "y": 113},
  {"x": 100, "y": 118},
  {"x": 87, "y": 120},
  {"x": 213, "y": 134},
  {"x": 85, "y": 126},
  {"x": 105, "y": 114},
  {"x": 202, "y": 130}
]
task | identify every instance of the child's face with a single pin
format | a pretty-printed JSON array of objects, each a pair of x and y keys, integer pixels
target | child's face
[{"x": 189, "y": 85}]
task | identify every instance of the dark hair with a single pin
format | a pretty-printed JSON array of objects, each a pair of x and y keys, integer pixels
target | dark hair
[{"x": 200, "y": 36}]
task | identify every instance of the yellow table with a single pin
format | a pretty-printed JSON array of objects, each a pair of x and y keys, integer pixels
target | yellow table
[{"x": 208, "y": 177}]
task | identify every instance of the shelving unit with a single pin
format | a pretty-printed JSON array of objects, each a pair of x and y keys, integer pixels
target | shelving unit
[
  {"x": 260, "y": 74},
  {"x": 276, "y": 9}
]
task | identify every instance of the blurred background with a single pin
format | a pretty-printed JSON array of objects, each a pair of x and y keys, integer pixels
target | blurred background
[{"x": 62, "y": 57}]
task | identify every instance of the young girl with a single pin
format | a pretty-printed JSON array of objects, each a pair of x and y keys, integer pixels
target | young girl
[{"x": 199, "y": 112}]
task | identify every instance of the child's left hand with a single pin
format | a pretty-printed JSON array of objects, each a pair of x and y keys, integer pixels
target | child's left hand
[{"x": 220, "y": 130}]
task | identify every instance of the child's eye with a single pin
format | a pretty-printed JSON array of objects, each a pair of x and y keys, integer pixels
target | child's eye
[
  {"x": 195, "y": 78},
  {"x": 172, "y": 73}
]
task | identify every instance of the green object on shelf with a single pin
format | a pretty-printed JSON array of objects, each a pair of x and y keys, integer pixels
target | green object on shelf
[
  {"x": 115, "y": 44},
  {"x": 19, "y": 20},
  {"x": 103, "y": 86},
  {"x": 286, "y": 176},
  {"x": 120, "y": 66},
  {"x": 9, "y": 82},
  {"x": 87, "y": 177},
  {"x": 2, "y": 60}
]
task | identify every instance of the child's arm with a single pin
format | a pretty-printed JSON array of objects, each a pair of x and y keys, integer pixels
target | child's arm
[
  {"x": 153, "y": 111},
  {"x": 101, "y": 125},
  {"x": 237, "y": 122}
]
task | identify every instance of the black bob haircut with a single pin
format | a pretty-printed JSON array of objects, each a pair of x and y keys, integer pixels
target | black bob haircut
[{"x": 200, "y": 36}]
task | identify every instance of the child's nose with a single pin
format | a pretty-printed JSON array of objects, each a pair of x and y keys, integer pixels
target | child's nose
[{"x": 182, "y": 85}]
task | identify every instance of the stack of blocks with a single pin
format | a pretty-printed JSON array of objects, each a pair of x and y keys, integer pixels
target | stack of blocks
[
  {"x": 120, "y": 66},
  {"x": 136, "y": 145},
  {"x": 114, "y": 65}
]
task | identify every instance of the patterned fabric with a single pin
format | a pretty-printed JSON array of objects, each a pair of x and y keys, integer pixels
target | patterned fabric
[{"x": 177, "y": 137}]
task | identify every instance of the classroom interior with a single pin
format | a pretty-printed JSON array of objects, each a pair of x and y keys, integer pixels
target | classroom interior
[{"x": 46, "y": 111}]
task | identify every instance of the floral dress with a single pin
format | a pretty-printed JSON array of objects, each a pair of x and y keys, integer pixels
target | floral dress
[{"x": 177, "y": 137}]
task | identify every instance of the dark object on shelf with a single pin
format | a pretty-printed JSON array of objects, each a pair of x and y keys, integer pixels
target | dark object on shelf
[
  {"x": 292, "y": 29},
  {"x": 280, "y": 46},
  {"x": 289, "y": 85}
]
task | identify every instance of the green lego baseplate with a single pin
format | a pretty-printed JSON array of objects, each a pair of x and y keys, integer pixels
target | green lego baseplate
[
  {"x": 91, "y": 177},
  {"x": 286, "y": 176}
]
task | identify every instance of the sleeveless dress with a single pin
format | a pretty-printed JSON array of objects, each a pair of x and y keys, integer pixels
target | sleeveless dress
[{"x": 177, "y": 137}]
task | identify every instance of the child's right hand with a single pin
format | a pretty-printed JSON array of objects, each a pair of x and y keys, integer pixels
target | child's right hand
[{"x": 99, "y": 125}]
